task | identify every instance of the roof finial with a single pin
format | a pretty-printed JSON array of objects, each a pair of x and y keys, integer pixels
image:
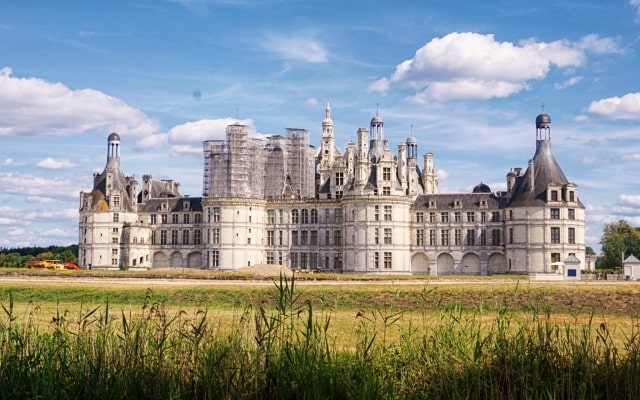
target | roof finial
[
  {"x": 377, "y": 106},
  {"x": 542, "y": 107}
]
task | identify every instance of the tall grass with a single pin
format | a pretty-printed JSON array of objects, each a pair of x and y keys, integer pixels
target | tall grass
[{"x": 284, "y": 349}]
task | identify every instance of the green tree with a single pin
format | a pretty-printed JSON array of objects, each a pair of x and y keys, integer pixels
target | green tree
[
  {"x": 12, "y": 260},
  {"x": 619, "y": 240}
]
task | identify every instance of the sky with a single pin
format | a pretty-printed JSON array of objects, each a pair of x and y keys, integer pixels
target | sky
[{"x": 465, "y": 78}]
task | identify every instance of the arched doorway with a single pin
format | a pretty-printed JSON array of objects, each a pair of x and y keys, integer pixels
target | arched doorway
[
  {"x": 159, "y": 260},
  {"x": 496, "y": 264},
  {"x": 194, "y": 260},
  {"x": 470, "y": 264},
  {"x": 420, "y": 264},
  {"x": 445, "y": 264}
]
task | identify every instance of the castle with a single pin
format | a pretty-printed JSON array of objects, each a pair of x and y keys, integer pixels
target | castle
[{"x": 280, "y": 200}]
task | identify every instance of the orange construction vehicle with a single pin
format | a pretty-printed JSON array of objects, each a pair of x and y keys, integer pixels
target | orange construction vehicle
[{"x": 51, "y": 264}]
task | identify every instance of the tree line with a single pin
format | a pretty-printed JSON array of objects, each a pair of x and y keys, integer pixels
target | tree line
[{"x": 17, "y": 257}]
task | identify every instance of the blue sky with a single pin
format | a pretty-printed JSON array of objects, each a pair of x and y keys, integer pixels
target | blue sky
[{"x": 466, "y": 78}]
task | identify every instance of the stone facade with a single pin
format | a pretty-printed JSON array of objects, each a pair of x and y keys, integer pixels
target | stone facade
[{"x": 279, "y": 200}]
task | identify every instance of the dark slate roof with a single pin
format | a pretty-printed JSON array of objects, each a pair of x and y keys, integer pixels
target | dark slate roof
[
  {"x": 545, "y": 171},
  {"x": 481, "y": 188},
  {"x": 175, "y": 205},
  {"x": 467, "y": 201},
  {"x": 119, "y": 182}
]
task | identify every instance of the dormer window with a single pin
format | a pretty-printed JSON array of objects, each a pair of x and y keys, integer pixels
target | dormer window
[
  {"x": 554, "y": 195},
  {"x": 185, "y": 205},
  {"x": 116, "y": 201}
]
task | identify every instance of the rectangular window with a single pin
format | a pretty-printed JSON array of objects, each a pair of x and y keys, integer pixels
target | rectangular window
[
  {"x": 116, "y": 201},
  {"x": 174, "y": 237},
  {"x": 572, "y": 196},
  {"x": 388, "y": 213},
  {"x": 376, "y": 260},
  {"x": 458, "y": 216},
  {"x": 186, "y": 219},
  {"x": 495, "y": 216},
  {"x": 444, "y": 217},
  {"x": 483, "y": 237},
  {"x": 197, "y": 236},
  {"x": 114, "y": 230},
  {"x": 386, "y": 191},
  {"x": 420, "y": 237},
  {"x": 295, "y": 217},
  {"x": 114, "y": 240},
  {"x": 270, "y": 259},
  {"x": 116, "y": 217},
  {"x": 419, "y": 217},
  {"x": 314, "y": 238},
  {"x": 554, "y": 195},
  {"x": 376, "y": 236},
  {"x": 510, "y": 235},
  {"x": 281, "y": 216},
  {"x": 327, "y": 216},
  {"x": 185, "y": 237},
  {"x": 114, "y": 252},
  {"x": 163, "y": 237},
  {"x": 432, "y": 217},
  {"x": 376, "y": 213},
  {"x": 313, "y": 260},
  {"x": 495, "y": 237},
  {"x": 471, "y": 216},
  {"x": 271, "y": 217},
  {"x": 216, "y": 214},
  {"x": 388, "y": 239},
  {"x": 294, "y": 238},
  {"x": 339, "y": 178},
  {"x": 458, "y": 237},
  {"x": 197, "y": 218},
  {"x": 338, "y": 215},
  {"x": 571, "y": 237},
  {"x": 386, "y": 174},
  {"x": 280, "y": 238},
  {"x": 555, "y": 235},
  {"x": 444, "y": 237},
  {"x": 153, "y": 219},
  {"x": 432, "y": 237},
  {"x": 215, "y": 236},
  {"x": 483, "y": 216},
  {"x": 314, "y": 216},
  {"x": 271, "y": 238},
  {"x": 304, "y": 216},
  {"x": 174, "y": 218},
  {"x": 337, "y": 237},
  {"x": 303, "y": 260},
  {"x": 163, "y": 218},
  {"x": 153, "y": 237},
  {"x": 337, "y": 260},
  {"x": 471, "y": 237},
  {"x": 555, "y": 213},
  {"x": 387, "y": 260},
  {"x": 571, "y": 213},
  {"x": 215, "y": 258},
  {"x": 304, "y": 238}
]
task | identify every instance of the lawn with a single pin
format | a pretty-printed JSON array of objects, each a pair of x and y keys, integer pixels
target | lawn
[{"x": 316, "y": 338}]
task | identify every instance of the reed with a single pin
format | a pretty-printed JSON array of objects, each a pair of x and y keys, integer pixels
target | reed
[{"x": 283, "y": 348}]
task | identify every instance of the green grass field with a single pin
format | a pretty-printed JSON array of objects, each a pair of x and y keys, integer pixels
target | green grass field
[{"x": 105, "y": 337}]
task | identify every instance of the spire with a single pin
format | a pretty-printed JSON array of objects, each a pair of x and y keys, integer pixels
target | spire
[{"x": 327, "y": 123}]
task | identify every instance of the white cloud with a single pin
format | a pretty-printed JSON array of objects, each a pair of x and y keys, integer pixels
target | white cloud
[
  {"x": 7, "y": 162},
  {"x": 632, "y": 200},
  {"x": 636, "y": 4},
  {"x": 296, "y": 47},
  {"x": 312, "y": 102},
  {"x": 36, "y": 186},
  {"x": 569, "y": 82},
  {"x": 201, "y": 130},
  {"x": 182, "y": 149},
  {"x": 626, "y": 107},
  {"x": 50, "y": 163},
  {"x": 474, "y": 66},
  {"x": 631, "y": 157},
  {"x": 152, "y": 141},
  {"x": 36, "y": 107}
]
